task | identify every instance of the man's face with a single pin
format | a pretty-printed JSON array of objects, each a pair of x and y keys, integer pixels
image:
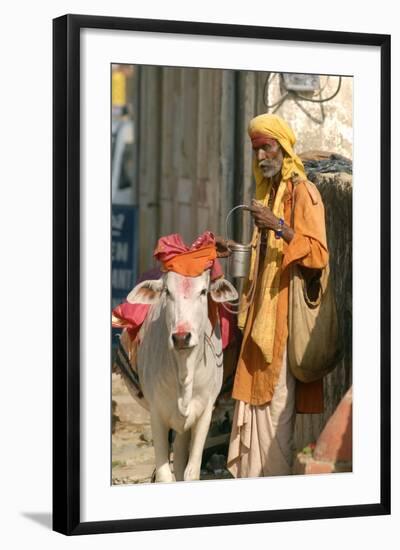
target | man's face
[{"x": 270, "y": 158}]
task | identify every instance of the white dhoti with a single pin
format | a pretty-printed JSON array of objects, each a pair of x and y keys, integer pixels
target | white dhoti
[{"x": 261, "y": 442}]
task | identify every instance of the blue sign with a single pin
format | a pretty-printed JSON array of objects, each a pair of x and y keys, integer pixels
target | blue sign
[{"x": 124, "y": 252}]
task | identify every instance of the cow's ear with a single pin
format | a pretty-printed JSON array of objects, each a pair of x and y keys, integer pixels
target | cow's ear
[
  {"x": 147, "y": 292},
  {"x": 222, "y": 290}
]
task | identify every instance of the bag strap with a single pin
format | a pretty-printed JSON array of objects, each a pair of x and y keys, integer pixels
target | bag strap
[
  {"x": 293, "y": 205},
  {"x": 312, "y": 191},
  {"x": 324, "y": 271}
]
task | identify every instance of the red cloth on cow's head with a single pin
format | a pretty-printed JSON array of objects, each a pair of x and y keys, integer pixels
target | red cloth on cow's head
[{"x": 175, "y": 255}]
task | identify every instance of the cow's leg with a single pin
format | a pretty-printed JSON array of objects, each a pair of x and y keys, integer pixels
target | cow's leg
[
  {"x": 181, "y": 453},
  {"x": 161, "y": 448},
  {"x": 199, "y": 435}
]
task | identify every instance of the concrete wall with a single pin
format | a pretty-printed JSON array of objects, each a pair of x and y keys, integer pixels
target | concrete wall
[{"x": 327, "y": 126}]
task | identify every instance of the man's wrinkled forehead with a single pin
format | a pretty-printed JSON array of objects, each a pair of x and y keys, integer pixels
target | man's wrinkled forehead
[{"x": 259, "y": 139}]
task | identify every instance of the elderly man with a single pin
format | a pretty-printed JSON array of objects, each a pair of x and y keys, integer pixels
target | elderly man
[{"x": 267, "y": 394}]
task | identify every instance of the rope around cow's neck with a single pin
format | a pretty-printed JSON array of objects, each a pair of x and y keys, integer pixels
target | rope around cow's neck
[{"x": 217, "y": 356}]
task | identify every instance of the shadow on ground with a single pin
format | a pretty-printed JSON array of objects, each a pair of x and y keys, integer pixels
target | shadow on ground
[{"x": 45, "y": 519}]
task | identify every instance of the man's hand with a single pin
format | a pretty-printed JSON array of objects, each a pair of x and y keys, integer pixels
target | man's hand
[
  {"x": 222, "y": 247},
  {"x": 265, "y": 219},
  {"x": 263, "y": 216}
]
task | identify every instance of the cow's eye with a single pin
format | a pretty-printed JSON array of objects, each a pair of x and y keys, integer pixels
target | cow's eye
[
  {"x": 203, "y": 292},
  {"x": 167, "y": 292}
]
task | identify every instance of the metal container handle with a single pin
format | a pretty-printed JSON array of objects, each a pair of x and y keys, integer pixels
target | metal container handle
[{"x": 243, "y": 207}]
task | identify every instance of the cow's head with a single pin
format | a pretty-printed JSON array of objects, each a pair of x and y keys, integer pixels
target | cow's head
[{"x": 186, "y": 303}]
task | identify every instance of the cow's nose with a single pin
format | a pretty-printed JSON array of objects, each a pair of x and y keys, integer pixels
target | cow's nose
[{"x": 181, "y": 339}]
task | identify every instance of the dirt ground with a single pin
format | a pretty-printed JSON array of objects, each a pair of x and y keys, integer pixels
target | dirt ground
[{"x": 132, "y": 447}]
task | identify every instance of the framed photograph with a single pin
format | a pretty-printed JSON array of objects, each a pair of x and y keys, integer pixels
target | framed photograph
[{"x": 199, "y": 171}]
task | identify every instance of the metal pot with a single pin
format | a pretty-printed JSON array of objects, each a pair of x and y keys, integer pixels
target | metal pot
[{"x": 239, "y": 259}]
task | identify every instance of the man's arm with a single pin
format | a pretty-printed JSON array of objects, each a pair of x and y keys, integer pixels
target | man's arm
[
  {"x": 308, "y": 248},
  {"x": 264, "y": 218},
  {"x": 307, "y": 241}
]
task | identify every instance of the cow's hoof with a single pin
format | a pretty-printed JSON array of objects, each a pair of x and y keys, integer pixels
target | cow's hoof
[
  {"x": 164, "y": 478},
  {"x": 191, "y": 473}
]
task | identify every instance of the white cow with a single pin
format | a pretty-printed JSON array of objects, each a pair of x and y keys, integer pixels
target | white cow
[{"x": 179, "y": 361}]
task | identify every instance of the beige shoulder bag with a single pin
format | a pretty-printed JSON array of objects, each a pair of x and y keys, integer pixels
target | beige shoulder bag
[{"x": 314, "y": 342}]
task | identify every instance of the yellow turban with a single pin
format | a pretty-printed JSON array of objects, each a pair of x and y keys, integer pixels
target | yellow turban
[{"x": 273, "y": 126}]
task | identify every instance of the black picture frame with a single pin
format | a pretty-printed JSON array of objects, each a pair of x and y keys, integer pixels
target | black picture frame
[{"x": 66, "y": 272}]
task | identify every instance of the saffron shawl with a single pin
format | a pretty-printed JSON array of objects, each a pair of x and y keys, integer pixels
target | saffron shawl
[{"x": 263, "y": 330}]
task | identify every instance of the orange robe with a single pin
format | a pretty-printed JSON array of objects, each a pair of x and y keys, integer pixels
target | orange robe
[{"x": 255, "y": 379}]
